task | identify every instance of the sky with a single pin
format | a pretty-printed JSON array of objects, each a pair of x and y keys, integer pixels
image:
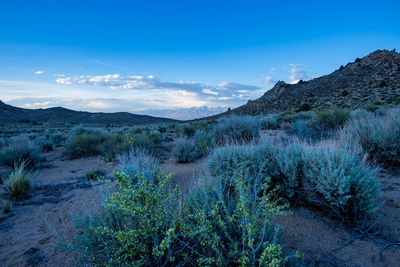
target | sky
[{"x": 179, "y": 59}]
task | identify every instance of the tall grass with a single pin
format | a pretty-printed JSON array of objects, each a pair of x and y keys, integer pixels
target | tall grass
[{"x": 19, "y": 183}]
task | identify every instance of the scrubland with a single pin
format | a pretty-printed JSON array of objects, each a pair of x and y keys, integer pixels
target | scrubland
[{"x": 308, "y": 188}]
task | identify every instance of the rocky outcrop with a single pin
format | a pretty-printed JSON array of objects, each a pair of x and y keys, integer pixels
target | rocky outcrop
[{"x": 372, "y": 79}]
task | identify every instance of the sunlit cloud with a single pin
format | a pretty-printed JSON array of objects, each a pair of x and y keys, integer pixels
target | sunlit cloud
[
  {"x": 39, "y": 72},
  {"x": 297, "y": 74}
]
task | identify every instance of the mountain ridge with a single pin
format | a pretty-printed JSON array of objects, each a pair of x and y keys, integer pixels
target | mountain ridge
[
  {"x": 374, "y": 78},
  {"x": 12, "y": 114}
]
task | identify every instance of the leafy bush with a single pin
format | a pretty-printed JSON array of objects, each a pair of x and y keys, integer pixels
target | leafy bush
[
  {"x": 21, "y": 150},
  {"x": 188, "y": 130},
  {"x": 236, "y": 129},
  {"x": 204, "y": 142},
  {"x": 19, "y": 183},
  {"x": 270, "y": 122},
  {"x": 378, "y": 136},
  {"x": 147, "y": 140},
  {"x": 184, "y": 150},
  {"x": 301, "y": 129},
  {"x": 337, "y": 180},
  {"x": 144, "y": 223}
]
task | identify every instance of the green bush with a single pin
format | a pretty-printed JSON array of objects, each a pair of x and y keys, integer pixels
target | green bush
[
  {"x": 146, "y": 140},
  {"x": 19, "y": 183},
  {"x": 301, "y": 129},
  {"x": 6, "y": 206},
  {"x": 138, "y": 162},
  {"x": 270, "y": 122},
  {"x": 204, "y": 142},
  {"x": 21, "y": 150},
  {"x": 236, "y": 129},
  {"x": 188, "y": 130},
  {"x": 377, "y": 135},
  {"x": 184, "y": 151},
  {"x": 145, "y": 223}
]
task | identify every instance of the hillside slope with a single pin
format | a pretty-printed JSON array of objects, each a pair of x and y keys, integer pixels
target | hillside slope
[
  {"x": 372, "y": 79},
  {"x": 11, "y": 114}
]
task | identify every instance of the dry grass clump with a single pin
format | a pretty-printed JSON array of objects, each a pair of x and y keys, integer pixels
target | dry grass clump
[{"x": 19, "y": 183}]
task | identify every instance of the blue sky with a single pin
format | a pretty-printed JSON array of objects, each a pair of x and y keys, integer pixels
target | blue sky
[{"x": 178, "y": 58}]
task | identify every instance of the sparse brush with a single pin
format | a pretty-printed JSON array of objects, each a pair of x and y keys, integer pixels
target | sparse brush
[
  {"x": 236, "y": 129},
  {"x": 270, "y": 122},
  {"x": 93, "y": 175},
  {"x": 21, "y": 150},
  {"x": 6, "y": 206},
  {"x": 19, "y": 183},
  {"x": 204, "y": 142},
  {"x": 377, "y": 135},
  {"x": 185, "y": 151},
  {"x": 333, "y": 118},
  {"x": 137, "y": 162}
]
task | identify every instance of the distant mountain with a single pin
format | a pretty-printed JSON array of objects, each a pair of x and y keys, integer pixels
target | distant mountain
[
  {"x": 11, "y": 114},
  {"x": 371, "y": 79}
]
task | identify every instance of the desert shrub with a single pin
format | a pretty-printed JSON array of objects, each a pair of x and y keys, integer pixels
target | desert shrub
[
  {"x": 300, "y": 128},
  {"x": 270, "y": 122},
  {"x": 91, "y": 142},
  {"x": 378, "y": 136},
  {"x": 184, "y": 151},
  {"x": 145, "y": 223},
  {"x": 304, "y": 107},
  {"x": 255, "y": 161},
  {"x": 93, "y": 175},
  {"x": 6, "y": 206},
  {"x": 333, "y": 118},
  {"x": 138, "y": 162},
  {"x": 204, "y": 142},
  {"x": 370, "y": 107},
  {"x": 236, "y": 129},
  {"x": 340, "y": 182},
  {"x": 234, "y": 214},
  {"x": 44, "y": 143},
  {"x": 147, "y": 140},
  {"x": 188, "y": 130},
  {"x": 58, "y": 139},
  {"x": 324, "y": 177},
  {"x": 21, "y": 150},
  {"x": 19, "y": 183},
  {"x": 359, "y": 113}
]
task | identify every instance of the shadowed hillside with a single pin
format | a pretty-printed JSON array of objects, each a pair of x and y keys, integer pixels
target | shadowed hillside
[
  {"x": 372, "y": 79},
  {"x": 11, "y": 114}
]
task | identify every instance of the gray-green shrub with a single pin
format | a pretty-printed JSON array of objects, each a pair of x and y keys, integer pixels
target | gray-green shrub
[
  {"x": 236, "y": 129},
  {"x": 21, "y": 150},
  {"x": 204, "y": 142},
  {"x": 270, "y": 122},
  {"x": 337, "y": 180},
  {"x": 185, "y": 150},
  {"x": 377, "y": 135},
  {"x": 333, "y": 118}
]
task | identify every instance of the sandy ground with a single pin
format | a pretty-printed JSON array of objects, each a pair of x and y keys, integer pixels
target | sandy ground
[{"x": 31, "y": 232}]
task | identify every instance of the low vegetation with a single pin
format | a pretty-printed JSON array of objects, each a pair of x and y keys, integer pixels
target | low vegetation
[
  {"x": 19, "y": 183},
  {"x": 210, "y": 227},
  {"x": 21, "y": 150},
  {"x": 236, "y": 129},
  {"x": 185, "y": 151}
]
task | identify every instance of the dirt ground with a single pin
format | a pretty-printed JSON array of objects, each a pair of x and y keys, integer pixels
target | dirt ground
[{"x": 31, "y": 232}]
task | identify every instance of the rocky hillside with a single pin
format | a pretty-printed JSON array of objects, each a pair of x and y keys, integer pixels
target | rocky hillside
[
  {"x": 11, "y": 114},
  {"x": 372, "y": 79}
]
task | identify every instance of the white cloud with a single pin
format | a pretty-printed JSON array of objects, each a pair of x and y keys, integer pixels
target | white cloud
[
  {"x": 64, "y": 80},
  {"x": 297, "y": 74},
  {"x": 59, "y": 75},
  {"x": 269, "y": 80},
  {"x": 39, "y": 72},
  {"x": 38, "y": 104}
]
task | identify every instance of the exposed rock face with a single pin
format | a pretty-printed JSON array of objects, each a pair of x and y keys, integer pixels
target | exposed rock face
[{"x": 372, "y": 79}]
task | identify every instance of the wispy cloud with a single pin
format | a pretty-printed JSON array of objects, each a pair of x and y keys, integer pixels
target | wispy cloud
[
  {"x": 39, "y": 72},
  {"x": 296, "y": 74},
  {"x": 109, "y": 65}
]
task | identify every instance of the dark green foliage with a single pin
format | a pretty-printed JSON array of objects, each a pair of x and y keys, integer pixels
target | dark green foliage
[
  {"x": 270, "y": 122},
  {"x": 345, "y": 93},
  {"x": 21, "y": 150},
  {"x": 6, "y": 206},
  {"x": 358, "y": 60},
  {"x": 185, "y": 151},
  {"x": 188, "y": 130},
  {"x": 370, "y": 107},
  {"x": 304, "y": 107},
  {"x": 333, "y": 118},
  {"x": 147, "y": 140}
]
